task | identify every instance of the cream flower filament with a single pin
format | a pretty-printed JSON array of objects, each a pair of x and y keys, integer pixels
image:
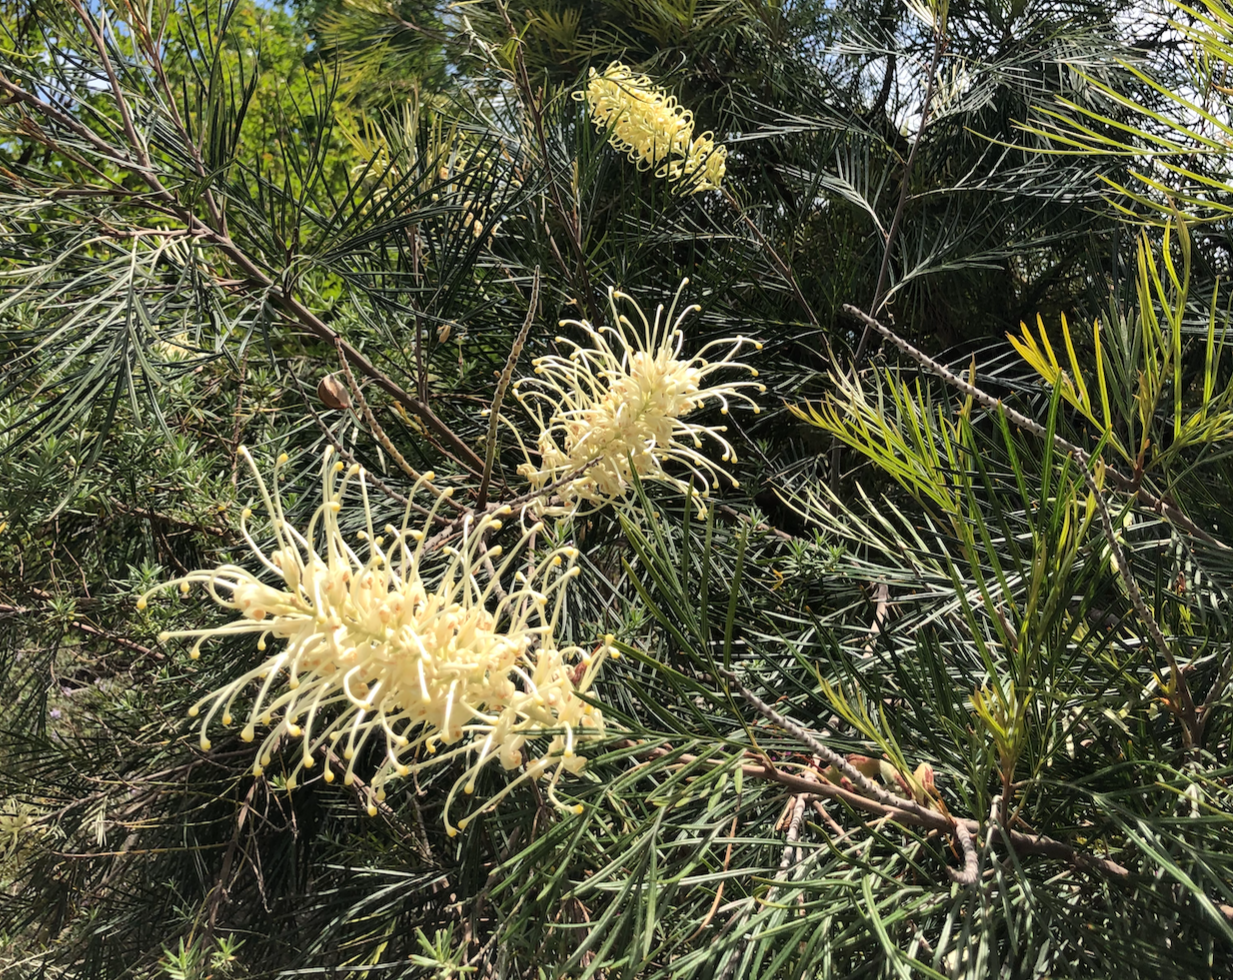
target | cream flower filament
[
  {"x": 389, "y": 648},
  {"x": 653, "y": 129},
  {"x": 615, "y": 406}
]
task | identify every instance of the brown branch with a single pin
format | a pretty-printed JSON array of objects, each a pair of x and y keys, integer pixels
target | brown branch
[
  {"x": 119, "y": 641},
  {"x": 784, "y": 269},
  {"x": 256, "y": 276},
  {"x": 573, "y": 225},
  {"x": 971, "y": 867},
  {"x": 345, "y": 454},
  {"x": 1022, "y": 844},
  {"x": 1187, "y": 714},
  {"x": 151, "y": 515},
  {"x": 494, "y": 410},
  {"x": 384, "y": 439}
]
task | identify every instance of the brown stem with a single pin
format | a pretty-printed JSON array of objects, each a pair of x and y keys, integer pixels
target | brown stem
[
  {"x": 939, "y": 48},
  {"x": 494, "y": 411},
  {"x": 1023, "y": 844},
  {"x": 380, "y": 435},
  {"x": 277, "y": 294},
  {"x": 578, "y": 274},
  {"x": 1123, "y": 482},
  {"x": 784, "y": 269},
  {"x": 892, "y": 234}
]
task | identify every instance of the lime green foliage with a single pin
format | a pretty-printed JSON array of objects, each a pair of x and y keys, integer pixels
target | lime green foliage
[
  {"x": 1177, "y": 141},
  {"x": 1140, "y": 377}
]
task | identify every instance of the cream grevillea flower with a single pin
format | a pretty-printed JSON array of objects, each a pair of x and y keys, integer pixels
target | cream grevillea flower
[
  {"x": 617, "y": 403},
  {"x": 418, "y": 652},
  {"x": 653, "y": 129}
]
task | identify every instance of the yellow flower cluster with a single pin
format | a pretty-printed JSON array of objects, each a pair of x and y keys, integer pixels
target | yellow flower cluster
[
  {"x": 615, "y": 407},
  {"x": 653, "y": 129},
  {"x": 416, "y": 659}
]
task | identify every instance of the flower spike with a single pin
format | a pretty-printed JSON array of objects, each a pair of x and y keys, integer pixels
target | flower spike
[
  {"x": 401, "y": 649},
  {"x": 653, "y": 129},
  {"x": 616, "y": 405}
]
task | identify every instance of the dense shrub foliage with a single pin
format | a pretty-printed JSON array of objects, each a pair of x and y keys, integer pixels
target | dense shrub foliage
[{"x": 667, "y": 489}]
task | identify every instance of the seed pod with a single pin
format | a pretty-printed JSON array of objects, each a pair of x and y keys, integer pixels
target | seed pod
[{"x": 333, "y": 394}]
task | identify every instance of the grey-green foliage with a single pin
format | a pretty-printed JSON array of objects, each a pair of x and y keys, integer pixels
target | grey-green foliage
[{"x": 182, "y": 248}]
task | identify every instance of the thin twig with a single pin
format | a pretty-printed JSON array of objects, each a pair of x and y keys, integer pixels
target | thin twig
[
  {"x": 1186, "y": 714},
  {"x": 905, "y": 190},
  {"x": 1021, "y": 843},
  {"x": 719, "y": 892},
  {"x": 892, "y": 234},
  {"x": 870, "y": 789},
  {"x": 257, "y": 280},
  {"x": 350, "y": 459},
  {"x": 827, "y": 754},
  {"x": 380, "y": 435},
  {"x": 502, "y": 385},
  {"x": 784, "y": 269},
  {"x": 572, "y": 222},
  {"x": 119, "y": 641}
]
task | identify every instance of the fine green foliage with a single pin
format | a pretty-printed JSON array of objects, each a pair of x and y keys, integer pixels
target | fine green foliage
[{"x": 910, "y": 661}]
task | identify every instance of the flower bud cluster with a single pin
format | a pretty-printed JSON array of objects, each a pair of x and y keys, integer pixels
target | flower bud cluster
[
  {"x": 653, "y": 129},
  {"x": 403, "y": 651},
  {"x": 615, "y": 406}
]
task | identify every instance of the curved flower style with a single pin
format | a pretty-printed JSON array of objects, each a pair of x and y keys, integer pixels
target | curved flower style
[
  {"x": 653, "y": 129},
  {"x": 611, "y": 409},
  {"x": 375, "y": 649}
]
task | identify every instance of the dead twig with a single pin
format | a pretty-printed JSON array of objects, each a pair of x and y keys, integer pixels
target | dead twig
[{"x": 494, "y": 411}]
